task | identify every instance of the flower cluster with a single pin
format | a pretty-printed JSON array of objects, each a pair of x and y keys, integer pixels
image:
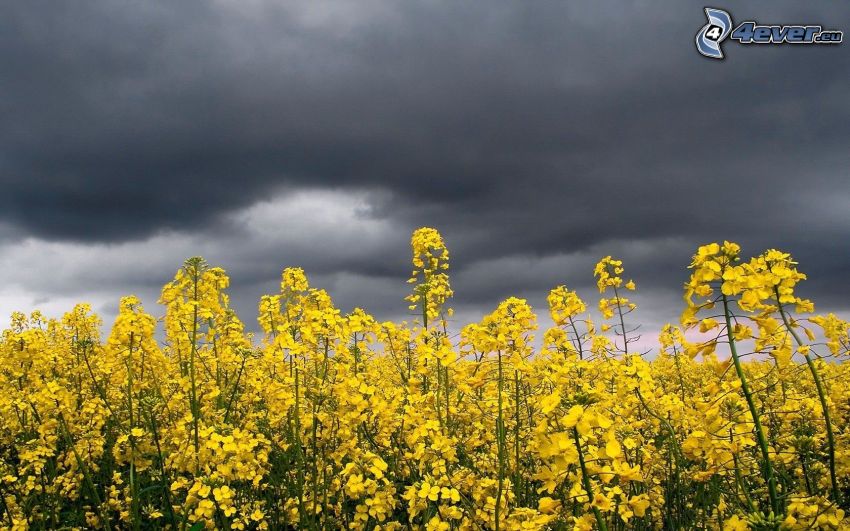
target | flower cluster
[
  {"x": 431, "y": 283},
  {"x": 738, "y": 419}
]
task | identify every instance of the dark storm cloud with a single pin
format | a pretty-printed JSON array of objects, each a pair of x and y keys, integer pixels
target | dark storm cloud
[{"x": 537, "y": 136}]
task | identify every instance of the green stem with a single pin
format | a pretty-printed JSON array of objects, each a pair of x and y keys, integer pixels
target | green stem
[
  {"x": 500, "y": 435},
  {"x": 679, "y": 371},
  {"x": 134, "y": 484},
  {"x": 622, "y": 322},
  {"x": 738, "y": 478},
  {"x": 767, "y": 467},
  {"x": 437, "y": 400},
  {"x": 85, "y": 470},
  {"x": 585, "y": 481},
  {"x": 161, "y": 462},
  {"x": 299, "y": 451},
  {"x": 194, "y": 347},
  {"x": 235, "y": 389},
  {"x": 665, "y": 423},
  {"x": 822, "y": 396},
  {"x": 579, "y": 346},
  {"x": 517, "y": 426}
]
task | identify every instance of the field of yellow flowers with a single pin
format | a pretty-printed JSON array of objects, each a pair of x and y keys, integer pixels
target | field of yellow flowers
[{"x": 737, "y": 420}]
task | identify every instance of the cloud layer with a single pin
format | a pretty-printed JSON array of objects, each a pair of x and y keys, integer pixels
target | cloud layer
[{"x": 537, "y": 136}]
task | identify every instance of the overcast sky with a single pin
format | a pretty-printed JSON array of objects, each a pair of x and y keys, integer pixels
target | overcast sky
[{"x": 537, "y": 136}]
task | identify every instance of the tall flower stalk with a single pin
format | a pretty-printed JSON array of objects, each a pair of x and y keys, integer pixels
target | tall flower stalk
[{"x": 716, "y": 266}]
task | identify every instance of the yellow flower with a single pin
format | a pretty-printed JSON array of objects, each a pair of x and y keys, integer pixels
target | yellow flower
[
  {"x": 601, "y": 502},
  {"x": 639, "y": 504},
  {"x": 613, "y": 449},
  {"x": 341, "y": 419},
  {"x": 734, "y": 523}
]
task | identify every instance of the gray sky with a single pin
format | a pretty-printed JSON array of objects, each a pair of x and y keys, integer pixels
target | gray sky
[{"x": 537, "y": 136}]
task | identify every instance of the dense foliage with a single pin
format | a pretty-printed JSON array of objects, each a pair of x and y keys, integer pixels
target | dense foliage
[{"x": 736, "y": 420}]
